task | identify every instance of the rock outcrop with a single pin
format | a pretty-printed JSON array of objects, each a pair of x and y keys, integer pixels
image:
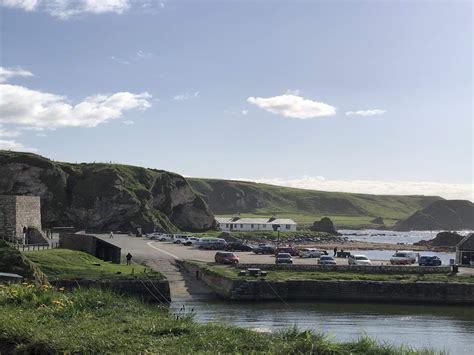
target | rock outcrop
[
  {"x": 444, "y": 214},
  {"x": 443, "y": 240},
  {"x": 104, "y": 196},
  {"x": 324, "y": 225}
]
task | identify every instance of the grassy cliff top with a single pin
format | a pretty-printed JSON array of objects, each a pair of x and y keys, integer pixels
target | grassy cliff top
[
  {"x": 306, "y": 206},
  {"x": 65, "y": 264}
]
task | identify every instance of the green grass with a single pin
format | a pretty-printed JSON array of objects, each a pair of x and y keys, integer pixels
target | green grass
[
  {"x": 65, "y": 264},
  {"x": 283, "y": 275},
  {"x": 46, "y": 320},
  {"x": 349, "y": 210}
]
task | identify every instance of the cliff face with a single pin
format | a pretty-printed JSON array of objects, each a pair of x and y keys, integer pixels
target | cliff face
[
  {"x": 104, "y": 196},
  {"x": 447, "y": 215}
]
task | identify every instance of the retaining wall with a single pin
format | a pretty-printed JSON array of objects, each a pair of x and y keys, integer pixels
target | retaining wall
[
  {"x": 336, "y": 290},
  {"x": 379, "y": 269},
  {"x": 148, "y": 290}
]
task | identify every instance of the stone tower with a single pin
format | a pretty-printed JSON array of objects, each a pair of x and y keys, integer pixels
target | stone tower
[{"x": 17, "y": 212}]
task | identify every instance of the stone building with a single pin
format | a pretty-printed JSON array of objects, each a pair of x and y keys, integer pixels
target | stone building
[{"x": 18, "y": 212}]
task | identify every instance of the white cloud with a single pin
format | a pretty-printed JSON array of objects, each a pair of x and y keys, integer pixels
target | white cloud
[
  {"x": 27, "y": 5},
  {"x": 118, "y": 60},
  {"x": 293, "y": 106},
  {"x": 142, "y": 55},
  {"x": 66, "y": 9},
  {"x": 244, "y": 112},
  {"x": 8, "y": 134},
  {"x": 7, "y": 73},
  {"x": 12, "y": 145},
  {"x": 446, "y": 190},
  {"x": 365, "y": 113},
  {"x": 186, "y": 96},
  {"x": 128, "y": 122},
  {"x": 35, "y": 109},
  {"x": 41, "y": 134}
]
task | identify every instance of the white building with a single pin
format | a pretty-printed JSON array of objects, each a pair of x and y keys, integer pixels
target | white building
[{"x": 255, "y": 224}]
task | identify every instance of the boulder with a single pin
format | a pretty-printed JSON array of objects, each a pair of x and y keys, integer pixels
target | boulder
[{"x": 324, "y": 225}]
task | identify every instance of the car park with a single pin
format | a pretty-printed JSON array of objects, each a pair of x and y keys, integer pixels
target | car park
[
  {"x": 226, "y": 257},
  {"x": 359, "y": 260},
  {"x": 238, "y": 246},
  {"x": 429, "y": 261},
  {"x": 283, "y": 258},
  {"x": 264, "y": 249},
  {"x": 312, "y": 253},
  {"x": 290, "y": 250},
  {"x": 327, "y": 260},
  {"x": 403, "y": 258}
]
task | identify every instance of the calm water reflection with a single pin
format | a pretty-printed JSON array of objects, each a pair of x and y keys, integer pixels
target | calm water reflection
[{"x": 438, "y": 327}]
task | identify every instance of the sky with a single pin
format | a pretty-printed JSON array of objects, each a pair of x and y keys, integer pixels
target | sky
[{"x": 356, "y": 96}]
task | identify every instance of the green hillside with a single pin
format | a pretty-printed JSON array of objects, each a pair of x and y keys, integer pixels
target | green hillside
[{"x": 350, "y": 210}]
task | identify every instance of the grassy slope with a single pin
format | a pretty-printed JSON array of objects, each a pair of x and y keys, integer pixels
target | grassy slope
[
  {"x": 67, "y": 264},
  {"x": 94, "y": 321},
  {"x": 233, "y": 273},
  {"x": 305, "y": 206}
]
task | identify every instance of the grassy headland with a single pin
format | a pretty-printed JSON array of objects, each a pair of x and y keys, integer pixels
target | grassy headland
[
  {"x": 65, "y": 264},
  {"x": 348, "y": 210},
  {"x": 46, "y": 320}
]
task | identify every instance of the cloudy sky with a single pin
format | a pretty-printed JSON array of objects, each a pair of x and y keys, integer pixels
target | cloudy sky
[{"x": 365, "y": 96}]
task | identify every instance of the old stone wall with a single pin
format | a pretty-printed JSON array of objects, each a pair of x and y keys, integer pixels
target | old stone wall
[
  {"x": 7, "y": 216},
  {"x": 335, "y": 290},
  {"x": 376, "y": 269},
  {"x": 149, "y": 290}
]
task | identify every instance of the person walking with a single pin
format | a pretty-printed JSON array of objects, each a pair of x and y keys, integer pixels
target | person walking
[
  {"x": 111, "y": 235},
  {"x": 335, "y": 251},
  {"x": 129, "y": 258}
]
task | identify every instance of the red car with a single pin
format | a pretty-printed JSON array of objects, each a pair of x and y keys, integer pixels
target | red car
[
  {"x": 224, "y": 257},
  {"x": 290, "y": 250}
]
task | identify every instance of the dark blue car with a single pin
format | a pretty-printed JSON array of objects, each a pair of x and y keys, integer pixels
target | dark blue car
[{"x": 429, "y": 261}]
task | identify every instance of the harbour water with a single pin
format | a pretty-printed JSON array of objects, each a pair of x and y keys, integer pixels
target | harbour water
[{"x": 442, "y": 328}]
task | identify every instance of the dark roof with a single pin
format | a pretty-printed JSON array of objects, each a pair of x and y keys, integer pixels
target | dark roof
[{"x": 467, "y": 243}]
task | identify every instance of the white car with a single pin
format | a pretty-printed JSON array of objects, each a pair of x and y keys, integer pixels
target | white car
[
  {"x": 404, "y": 258},
  {"x": 165, "y": 237},
  {"x": 359, "y": 260},
  {"x": 154, "y": 236},
  {"x": 190, "y": 241},
  {"x": 179, "y": 238},
  {"x": 327, "y": 260},
  {"x": 311, "y": 253}
]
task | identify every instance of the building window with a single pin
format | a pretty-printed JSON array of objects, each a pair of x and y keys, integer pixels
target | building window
[
  {"x": 227, "y": 225},
  {"x": 241, "y": 226},
  {"x": 251, "y": 226},
  {"x": 288, "y": 226}
]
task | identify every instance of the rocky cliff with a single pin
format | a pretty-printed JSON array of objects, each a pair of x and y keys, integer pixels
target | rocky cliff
[
  {"x": 104, "y": 196},
  {"x": 446, "y": 215}
]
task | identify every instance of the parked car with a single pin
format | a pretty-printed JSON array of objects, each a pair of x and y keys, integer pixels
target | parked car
[
  {"x": 283, "y": 258},
  {"x": 190, "y": 241},
  {"x": 225, "y": 257},
  {"x": 265, "y": 249},
  {"x": 165, "y": 237},
  {"x": 312, "y": 253},
  {"x": 403, "y": 258},
  {"x": 290, "y": 250},
  {"x": 327, "y": 260},
  {"x": 359, "y": 260},
  {"x": 211, "y": 244},
  {"x": 179, "y": 238},
  {"x": 154, "y": 236},
  {"x": 238, "y": 246},
  {"x": 429, "y": 261}
]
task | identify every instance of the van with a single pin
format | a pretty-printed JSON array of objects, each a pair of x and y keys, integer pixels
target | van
[
  {"x": 404, "y": 258},
  {"x": 211, "y": 243}
]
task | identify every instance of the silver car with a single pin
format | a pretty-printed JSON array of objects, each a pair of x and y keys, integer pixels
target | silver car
[{"x": 327, "y": 260}]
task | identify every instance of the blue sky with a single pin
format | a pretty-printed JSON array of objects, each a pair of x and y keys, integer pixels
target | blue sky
[{"x": 338, "y": 95}]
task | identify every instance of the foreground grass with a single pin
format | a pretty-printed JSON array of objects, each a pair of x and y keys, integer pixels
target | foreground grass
[
  {"x": 65, "y": 264},
  {"x": 233, "y": 273},
  {"x": 46, "y": 320}
]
